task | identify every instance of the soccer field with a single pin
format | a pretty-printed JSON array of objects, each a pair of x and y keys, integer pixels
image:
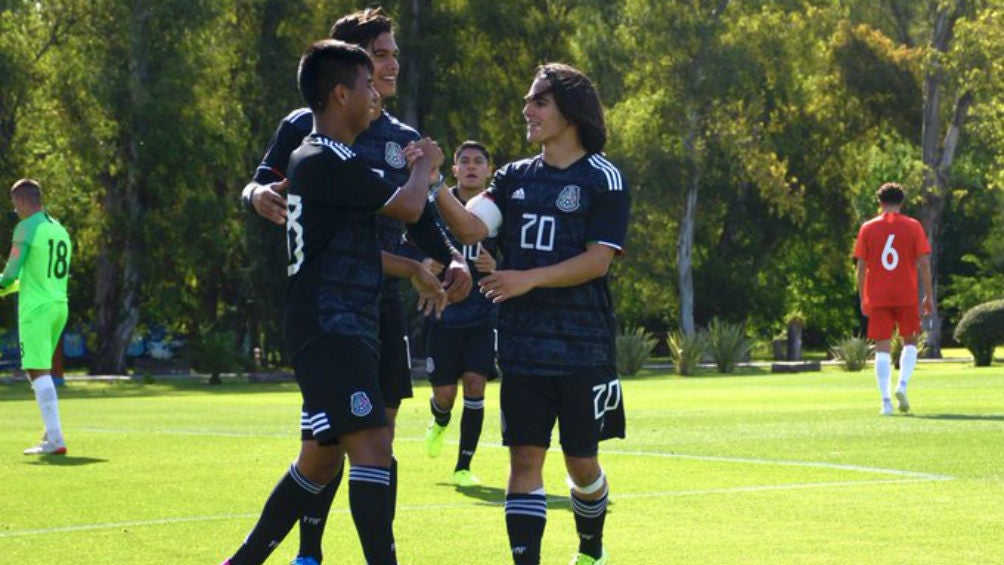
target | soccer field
[{"x": 748, "y": 469}]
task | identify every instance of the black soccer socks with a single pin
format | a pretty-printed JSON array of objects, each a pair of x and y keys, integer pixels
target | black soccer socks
[
  {"x": 589, "y": 518},
  {"x": 315, "y": 516},
  {"x": 525, "y": 518},
  {"x": 369, "y": 501},
  {"x": 471, "y": 422},
  {"x": 283, "y": 507}
]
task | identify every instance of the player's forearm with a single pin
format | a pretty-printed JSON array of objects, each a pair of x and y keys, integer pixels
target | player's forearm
[
  {"x": 427, "y": 234},
  {"x": 584, "y": 267},
  {"x": 924, "y": 265},
  {"x": 397, "y": 266},
  {"x": 463, "y": 224}
]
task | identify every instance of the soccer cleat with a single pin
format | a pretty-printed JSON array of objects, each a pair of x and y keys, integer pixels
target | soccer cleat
[
  {"x": 583, "y": 559},
  {"x": 886, "y": 408},
  {"x": 47, "y": 447},
  {"x": 465, "y": 478},
  {"x": 901, "y": 401},
  {"x": 301, "y": 560},
  {"x": 434, "y": 439}
]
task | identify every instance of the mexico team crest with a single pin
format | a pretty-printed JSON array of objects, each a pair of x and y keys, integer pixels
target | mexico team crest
[
  {"x": 568, "y": 200},
  {"x": 361, "y": 405},
  {"x": 394, "y": 156}
]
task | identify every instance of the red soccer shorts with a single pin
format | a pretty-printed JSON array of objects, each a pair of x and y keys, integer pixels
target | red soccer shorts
[{"x": 882, "y": 321}]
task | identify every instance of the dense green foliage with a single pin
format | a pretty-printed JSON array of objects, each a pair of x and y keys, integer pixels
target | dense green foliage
[
  {"x": 686, "y": 351},
  {"x": 758, "y": 130},
  {"x": 981, "y": 329}
]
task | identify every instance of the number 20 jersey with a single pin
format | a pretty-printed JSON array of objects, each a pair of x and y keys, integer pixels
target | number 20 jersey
[{"x": 549, "y": 215}]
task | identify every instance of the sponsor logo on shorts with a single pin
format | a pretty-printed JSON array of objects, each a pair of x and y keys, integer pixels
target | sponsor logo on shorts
[{"x": 361, "y": 405}]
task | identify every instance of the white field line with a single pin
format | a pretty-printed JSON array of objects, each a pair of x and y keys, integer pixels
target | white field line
[
  {"x": 438, "y": 507},
  {"x": 905, "y": 478},
  {"x": 604, "y": 451}
]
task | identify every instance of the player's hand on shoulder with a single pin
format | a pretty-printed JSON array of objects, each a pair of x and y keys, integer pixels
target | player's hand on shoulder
[{"x": 269, "y": 202}]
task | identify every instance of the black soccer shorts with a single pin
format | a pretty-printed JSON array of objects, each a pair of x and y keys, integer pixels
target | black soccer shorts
[
  {"x": 395, "y": 357},
  {"x": 588, "y": 406},
  {"x": 338, "y": 382},
  {"x": 451, "y": 352}
]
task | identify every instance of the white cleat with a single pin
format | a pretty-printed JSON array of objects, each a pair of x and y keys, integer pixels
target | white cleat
[
  {"x": 886, "y": 408},
  {"x": 47, "y": 447},
  {"x": 901, "y": 401}
]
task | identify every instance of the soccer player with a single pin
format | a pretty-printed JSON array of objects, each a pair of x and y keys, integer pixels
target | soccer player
[
  {"x": 890, "y": 248},
  {"x": 381, "y": 146},
  {"x": 40, "y": 263},
  {"x": 561, "y": 217},
  {"x": 460, "y": 344},
  {"x": 332, "y": 306}
]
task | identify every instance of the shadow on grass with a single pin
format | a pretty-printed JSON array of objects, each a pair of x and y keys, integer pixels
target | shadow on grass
[
  {"x": 495, "y": 496},
  {"x": 963, "y": 417},
  {"x": 65, "y": 461}
]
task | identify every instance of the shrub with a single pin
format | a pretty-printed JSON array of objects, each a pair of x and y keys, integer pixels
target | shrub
[
  {"x": 727, "y": 344},
  {"x": 852, "y": 352},
  {"x": 214, "y": 352},
  {"x": 686, "y": 351},
  {"x": 981, "y": 329},
  {"x": 633, "y": 349}
]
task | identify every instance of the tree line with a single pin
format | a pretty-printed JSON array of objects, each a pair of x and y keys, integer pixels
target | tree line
[{"x": 753, "y": 136}]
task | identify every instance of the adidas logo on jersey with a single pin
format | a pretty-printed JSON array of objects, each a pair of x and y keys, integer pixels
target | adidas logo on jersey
[{"x": 519, "y": 195}]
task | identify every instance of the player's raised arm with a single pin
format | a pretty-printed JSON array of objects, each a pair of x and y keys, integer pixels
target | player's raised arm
[{"x": 468, "y": 224}]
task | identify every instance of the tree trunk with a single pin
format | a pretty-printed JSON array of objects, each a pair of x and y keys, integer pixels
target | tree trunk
[
  {"x": 118, "y": 270},
  {"x": 938, "y": 155},
  {"x": 685, "y": 242}
]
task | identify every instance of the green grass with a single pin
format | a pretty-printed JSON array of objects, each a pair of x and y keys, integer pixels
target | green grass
[{"x": 747, "y": 469}]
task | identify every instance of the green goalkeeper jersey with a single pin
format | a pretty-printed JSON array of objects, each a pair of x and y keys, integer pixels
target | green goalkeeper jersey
[{"x": 40, "y": 259}]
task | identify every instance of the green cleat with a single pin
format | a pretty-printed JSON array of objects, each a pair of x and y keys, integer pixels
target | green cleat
[
  {"x": 902, "y": 402},
  {"x": 583, "y": 559},
  {"x": 465, "y": 478},
  {"x": 434, "y": 439}
]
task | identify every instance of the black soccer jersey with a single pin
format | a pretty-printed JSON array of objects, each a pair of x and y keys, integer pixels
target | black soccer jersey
[
  {"x": 334, "y": 257},
  {"x": 550, "y": 215},
  {"x": 381, "y": 148}
]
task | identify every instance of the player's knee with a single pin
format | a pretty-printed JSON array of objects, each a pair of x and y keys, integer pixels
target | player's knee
[{"x": 587, "y": 485}]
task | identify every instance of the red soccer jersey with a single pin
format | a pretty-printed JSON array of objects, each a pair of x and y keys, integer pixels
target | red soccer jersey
[{"x": 890, "y": 245}]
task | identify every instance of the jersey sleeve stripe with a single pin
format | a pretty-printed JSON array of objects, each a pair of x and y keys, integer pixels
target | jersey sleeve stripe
[
  {"x": 614, "y": 180},
  {"x": 343, "y": 152}
]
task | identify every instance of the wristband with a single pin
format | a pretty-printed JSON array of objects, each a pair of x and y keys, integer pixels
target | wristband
[{"x": 434, "y": 187}]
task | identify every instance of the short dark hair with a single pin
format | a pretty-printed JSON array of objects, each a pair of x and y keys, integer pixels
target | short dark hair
[
  {"x": 471, "y": 144},
  {"x": 29, "y": 189},
  {"x": 890, "y": 193},
  {"x": 578, "y": 101},
  {"x": 326, "y": 64},
  {"x": 363, "y": 27}
]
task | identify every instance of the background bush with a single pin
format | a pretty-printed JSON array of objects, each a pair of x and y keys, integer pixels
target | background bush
[
  {"x": 686, "y": 351},
  {"x": 852, "y": 352},
  {"x": 981, "y": 329},
  {"x": 727, "y": 344},
  {"x": 634, "y": 346}
]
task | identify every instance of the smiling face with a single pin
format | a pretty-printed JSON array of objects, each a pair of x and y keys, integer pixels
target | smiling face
[
  {"x": 361, "y": 100},
  {"x": 471, "y": 169},
  {"x": 384, "y": 53},
  {"x": 544, "y": 121}
]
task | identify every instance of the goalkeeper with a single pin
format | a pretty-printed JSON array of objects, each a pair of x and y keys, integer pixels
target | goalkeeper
[{"x": 39, "y": 263}]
